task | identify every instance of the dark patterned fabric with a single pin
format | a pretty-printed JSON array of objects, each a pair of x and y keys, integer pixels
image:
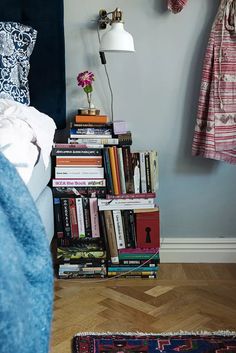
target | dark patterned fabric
[
  {"x": 47, "y": 62},
  {"x": 16, "y": 45},
  {"x": 153, "y": 344}
]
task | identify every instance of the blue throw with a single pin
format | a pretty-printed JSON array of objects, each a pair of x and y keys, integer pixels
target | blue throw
[{"x": 26, "y": 277}]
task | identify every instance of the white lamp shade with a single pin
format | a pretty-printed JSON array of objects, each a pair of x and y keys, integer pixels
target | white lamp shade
[{"x": 117, "y": 39}]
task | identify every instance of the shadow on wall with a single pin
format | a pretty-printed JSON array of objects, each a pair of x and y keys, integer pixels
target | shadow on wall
[{"x": 186, "y": 163}]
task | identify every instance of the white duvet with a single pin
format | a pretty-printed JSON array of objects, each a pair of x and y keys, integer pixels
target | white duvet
[{"x": 24, "y": 133}]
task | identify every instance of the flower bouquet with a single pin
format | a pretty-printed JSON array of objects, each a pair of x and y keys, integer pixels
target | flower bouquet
[{"x": 85, "y": 80}]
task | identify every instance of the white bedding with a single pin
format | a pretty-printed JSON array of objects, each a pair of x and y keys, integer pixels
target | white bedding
[{"x": 24, "y": 131}]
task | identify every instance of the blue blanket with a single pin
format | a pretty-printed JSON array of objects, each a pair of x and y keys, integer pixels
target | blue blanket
[{"x": 26, "y": 278}]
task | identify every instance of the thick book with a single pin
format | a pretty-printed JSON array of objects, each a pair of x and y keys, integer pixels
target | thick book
[
  {"x": 93, "y": 207},
  {"x": 79, "y": 183},
  {"x": 75, "y": 151},
  {"x": 148, "y": 229},
  {"x": 103, "y": 232},
  {"x": 111, "y": 237},
  {"x": 98, "y": 119},
  {"x": 73, "y": 254},
  {"x": 136, "y": 172},
  {"x": 91, "y": 136},
  {"x": 73, "y": 219},
  {"x": 107, "y": 171},
  {"x": 121, "y": 170},
  {"x": 92, "y": 125},
  {"x": 137, "y": 262},
  {"x": 79, "y": 172},
  {"x": 130, "y": 268},
  {"x": 79, "y": 145},
  {"x": 85, "y": 244},
  {"x": 128, "y": 170},
  {"x": 80, "y": 161},
  {"x": 112, "y": 274},
  {"x": 58, "y": 217}
]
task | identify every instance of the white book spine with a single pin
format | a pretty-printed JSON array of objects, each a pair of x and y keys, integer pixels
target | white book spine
[
  {"x": 154, "y": 170},
  {"x": 76, "y": 173},
  {"x": 76, "y": 136},
  {"x": 123, "y": 202},
  {"x": 125, "y": 207},
  {"x": 143, "y": 173},
  {"x": 121, "y": 169},
  {"x": 78, "y": 182},
  {"x": 119, "y": 231},
  {"x": 80, "y": 217},
  {"x": 102, "y": 141}
]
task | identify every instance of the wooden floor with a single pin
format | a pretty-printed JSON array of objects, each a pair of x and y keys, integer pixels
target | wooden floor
[{"x": 186, "y": 297}]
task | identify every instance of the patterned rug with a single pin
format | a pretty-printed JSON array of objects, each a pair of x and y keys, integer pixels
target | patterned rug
[{"x": 219, "y": 342}]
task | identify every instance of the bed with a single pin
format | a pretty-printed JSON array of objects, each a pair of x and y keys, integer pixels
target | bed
[{"x": 45, "y": 79}]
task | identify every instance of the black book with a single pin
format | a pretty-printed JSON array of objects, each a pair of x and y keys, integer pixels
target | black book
[
  {"x": 127, "y": 162},
  {"x": 103, "y": 232},
  {"x": 79, "y": 191},
  {"x": 87, "y": 219},
  {"x": 126, "y": 226},
  {"x": 65, "y": 209},
  {"x": 148, "y": 172},
  {"x": 58, "y": 217},
  {"x": 107, "y": 171},
  {"x": 132, "y": 229}
]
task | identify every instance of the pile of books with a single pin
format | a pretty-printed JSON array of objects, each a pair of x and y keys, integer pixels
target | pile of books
[{"x": 106, "y": 219}]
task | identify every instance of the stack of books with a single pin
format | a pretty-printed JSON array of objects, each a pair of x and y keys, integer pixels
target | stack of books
[{"x": 106, "y": 218}]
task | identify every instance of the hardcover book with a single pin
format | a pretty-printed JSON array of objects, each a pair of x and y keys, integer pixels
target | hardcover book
[{"x": 148, "y": 229}]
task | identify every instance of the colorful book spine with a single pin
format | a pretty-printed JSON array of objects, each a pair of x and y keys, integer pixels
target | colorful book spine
[
  {"x": 143, "y": 172},
  {"x": 77, "y": 146},
  {"x": 154, "y": 170},
  {"x": 148, "y": 172},
  {"x": 58, "y": 217},
  {"x": 107, "y": 171},
  {"x": 94, "y": 141},
  {"x": 113, "y": 170},
  {"x": 68, "y": 151},
  {"x": 150, "y": 195},
  {"x": 97, "y": 119},
  {"x": 73, "y": 219},
  {"x": 80, "y": 161},
  {"x": 121, "y": 170}
]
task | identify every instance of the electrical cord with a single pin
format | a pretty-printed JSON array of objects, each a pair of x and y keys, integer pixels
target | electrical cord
[{"x": 103, "y": 60}]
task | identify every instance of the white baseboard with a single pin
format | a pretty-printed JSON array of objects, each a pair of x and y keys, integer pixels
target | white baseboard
[{"x": 198, "y": 250}]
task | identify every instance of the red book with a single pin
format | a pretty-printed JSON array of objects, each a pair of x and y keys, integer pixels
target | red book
[
  {"x": 148, "y": 229},
  {"x": 73, "y": 219}
]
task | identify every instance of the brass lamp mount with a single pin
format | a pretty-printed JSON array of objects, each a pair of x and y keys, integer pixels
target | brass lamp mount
[{"x": 104, "y": 20}]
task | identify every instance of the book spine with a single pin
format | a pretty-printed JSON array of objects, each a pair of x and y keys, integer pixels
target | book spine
[
  {"x": 103, "y": 232},
  {"x": 117, "y": 168},
  {"x": 66, "y": 217},
  {"x": 58, "y": 217},
  {"x": 78, "y": 182},
  {"x": 91, "y": 131},
  {"x": 121, "y": 169},
  {"x": 133, "y": 262},
  {"x": 112, "y": 274},
  {"x": 150, "y": 195},
  {"x": 154, "y": 170},
  {"x": 93, "y": 152},
  {"x": 93, "y": 205},
  {"x": 107, "y": 170},
  {"x": 143, "y": 173},
  {"x": 142, "y": 269},
  {"x": 77, "y": 146},
  {"x": 132, "y": 229},
  {"x": 80, "y": 217},
  {"x": 111, "y": 237},
  {"x": 103, "y": 119},
  {"x": 113, "y": 170},
  {"x": 92, "y": 125},
  {"x": 80, "y": 161},
  {"x": 88, "y": 137},
  {"x": 126, "y": 228},
  {"x": 136, "y": 172},
  {"x": 127, "y": 170},
  {"x": 73, "y": 219},
  {"x": 75, "y": 191},
  {"x": 80, "y": 172},
  {"x": 87, "y": 220},
  {"x": 119, "y": 232},
  {"x": 100, "y": 141},
  {"x": 148, "y": 172}
]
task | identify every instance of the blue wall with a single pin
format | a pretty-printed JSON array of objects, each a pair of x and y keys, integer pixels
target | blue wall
[{"x": 156, "y": 90}]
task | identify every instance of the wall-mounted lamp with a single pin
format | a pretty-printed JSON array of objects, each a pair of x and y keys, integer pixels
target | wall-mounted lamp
[{"x": 116, "y": 39}]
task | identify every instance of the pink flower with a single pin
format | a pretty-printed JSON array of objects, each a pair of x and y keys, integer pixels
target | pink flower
[{"x": 85, "y": 78}]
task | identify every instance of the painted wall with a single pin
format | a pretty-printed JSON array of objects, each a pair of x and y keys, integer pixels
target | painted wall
[{"x": 156, "y": 90}]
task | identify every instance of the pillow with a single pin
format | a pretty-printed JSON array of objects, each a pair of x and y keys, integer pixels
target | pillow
[{"x": 16, "y": 45}]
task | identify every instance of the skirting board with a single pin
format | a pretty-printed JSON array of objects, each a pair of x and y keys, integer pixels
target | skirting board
[{"x": 198, "y": 250}]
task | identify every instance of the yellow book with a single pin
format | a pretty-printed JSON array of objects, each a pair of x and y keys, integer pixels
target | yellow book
[{"x": 113, "y": 170}]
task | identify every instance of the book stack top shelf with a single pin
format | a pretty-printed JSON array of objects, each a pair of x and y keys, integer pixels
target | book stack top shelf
[{"x": 106, "y": 217}]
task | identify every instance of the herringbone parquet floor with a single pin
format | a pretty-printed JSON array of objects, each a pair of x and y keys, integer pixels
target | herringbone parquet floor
[{"x": 186, "y": 297}]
